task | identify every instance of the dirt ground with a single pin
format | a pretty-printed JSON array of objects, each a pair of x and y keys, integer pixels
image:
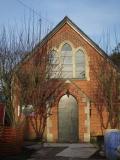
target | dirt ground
[{"x": 46, "y": 153}]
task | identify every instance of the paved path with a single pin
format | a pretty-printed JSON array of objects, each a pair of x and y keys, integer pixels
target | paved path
[
  {"x": 63, "y": 152},
  {"x": 78, "y": 151}
]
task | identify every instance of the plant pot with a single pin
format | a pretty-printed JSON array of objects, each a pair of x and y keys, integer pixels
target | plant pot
[{"x": 11, "y": 140}]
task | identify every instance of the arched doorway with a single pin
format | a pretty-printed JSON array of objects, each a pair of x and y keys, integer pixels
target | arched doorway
[{"x": 68, "y": 119}]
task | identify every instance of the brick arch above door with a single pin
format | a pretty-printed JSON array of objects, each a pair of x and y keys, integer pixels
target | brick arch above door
[{"x": 84, "y": 114}]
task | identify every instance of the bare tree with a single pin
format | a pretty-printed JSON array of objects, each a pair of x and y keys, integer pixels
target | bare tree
[
  {"x": 115, "y": 55},
  {"x": 40, "y": 86},
  {"x": 14, "y": 46},
  {"x": 10, "y": 55},
  {"x": 107, "y": 77},
  {"x": 107, "y": 92},
  {"x": 29, "y": 77}
]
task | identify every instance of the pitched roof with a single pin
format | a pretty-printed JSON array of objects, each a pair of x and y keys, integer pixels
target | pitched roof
[{"x": 68, "y": 21}]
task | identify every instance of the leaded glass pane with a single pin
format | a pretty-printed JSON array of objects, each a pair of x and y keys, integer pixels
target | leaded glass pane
[
  {"x": 79, "y": 57},
  {"x": 67, "y": 67},
  {"x": 66, "y": 61},
  {"x": 67, "y": 74},
  {"x": 66, "y": 53},
  {"x": 55, "y": 65},
  {"x": 53, "y": 57},
  {"x": 55, "y": 74},
  {"x": 80, "y": 65},
  {"x": 80, "y": 75},
  {"x": 66, "y": 47}
]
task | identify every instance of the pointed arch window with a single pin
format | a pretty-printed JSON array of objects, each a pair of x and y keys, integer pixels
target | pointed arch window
[
  {"x": 66, "y": 61},
  {"x": 80, "y": 64},
  {"x": 53, "y": 57},
  {"x": 68, "y": 64},
  {"x": 54, "y": 64}
]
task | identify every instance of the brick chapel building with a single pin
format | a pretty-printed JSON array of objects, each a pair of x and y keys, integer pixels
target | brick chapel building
[{"x": 74, "y": 118}]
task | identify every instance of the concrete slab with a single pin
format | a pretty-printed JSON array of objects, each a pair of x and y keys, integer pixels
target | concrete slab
[
  {"x": 56, "y": 144},
  {"x": 82, "y": 145},
  {"x": 78, "y": 151}
]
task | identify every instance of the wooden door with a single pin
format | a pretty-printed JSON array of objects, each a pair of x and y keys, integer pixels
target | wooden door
[{"x": 68, "y": 119}]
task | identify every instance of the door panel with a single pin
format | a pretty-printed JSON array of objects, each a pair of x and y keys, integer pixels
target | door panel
[{"x": 68, "y": 119}]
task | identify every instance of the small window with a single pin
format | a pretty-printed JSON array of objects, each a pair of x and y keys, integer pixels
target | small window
[
  {"x": 80, "y": 64},
  {"x": 66, "y": 61}
]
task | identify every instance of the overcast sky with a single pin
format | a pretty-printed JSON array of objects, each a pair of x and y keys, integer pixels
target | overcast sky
[{"x": 94, "y": 17}]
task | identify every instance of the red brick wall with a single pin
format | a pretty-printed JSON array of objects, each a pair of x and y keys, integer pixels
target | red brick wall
[{"x": 66, "y": 33}]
